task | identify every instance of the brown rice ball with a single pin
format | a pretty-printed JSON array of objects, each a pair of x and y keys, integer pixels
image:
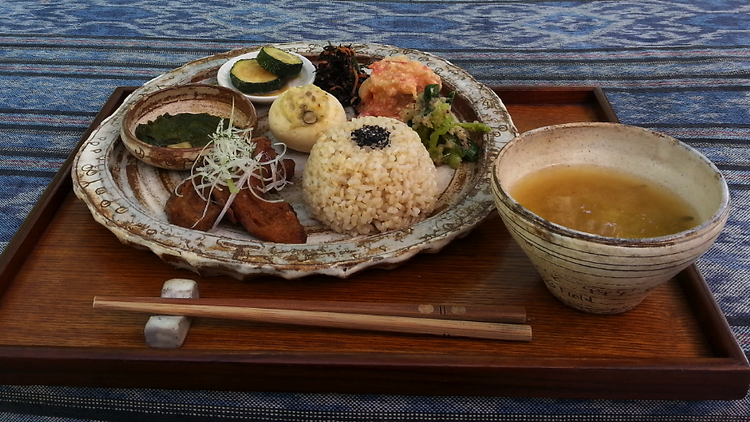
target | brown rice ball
[{"x": 369, "y": 175}]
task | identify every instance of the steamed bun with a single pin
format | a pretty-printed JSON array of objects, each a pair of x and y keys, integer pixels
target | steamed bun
[{"x": 301, "y": 114}]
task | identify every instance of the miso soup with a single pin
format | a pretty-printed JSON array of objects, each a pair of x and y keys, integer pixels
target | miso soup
[{"x": 603, "y": 201}]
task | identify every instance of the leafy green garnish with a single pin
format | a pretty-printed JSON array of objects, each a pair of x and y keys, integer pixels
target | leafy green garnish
[
  {"x": 168, "y": 130},
  {"x": 446, "y": 139}
]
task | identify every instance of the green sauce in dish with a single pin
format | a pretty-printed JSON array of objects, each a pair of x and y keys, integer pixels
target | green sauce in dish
[{"x": 184, "y": 130}]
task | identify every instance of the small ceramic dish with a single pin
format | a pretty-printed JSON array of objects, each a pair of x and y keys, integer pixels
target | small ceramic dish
[
  {"x": 193, "y": 98},
  {"x": 306, "y": 76}
]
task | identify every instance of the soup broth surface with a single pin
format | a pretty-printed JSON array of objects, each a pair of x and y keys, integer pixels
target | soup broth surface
[{"x": 603, "y": 201}]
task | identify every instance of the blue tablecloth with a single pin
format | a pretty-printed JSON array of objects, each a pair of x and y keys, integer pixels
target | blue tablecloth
[{"x": 682, "y": 68}]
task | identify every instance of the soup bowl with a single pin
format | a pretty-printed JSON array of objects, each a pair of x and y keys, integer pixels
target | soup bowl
[
  {"x": 599, "y": 274},
  {"x": 192, "y": 98}
]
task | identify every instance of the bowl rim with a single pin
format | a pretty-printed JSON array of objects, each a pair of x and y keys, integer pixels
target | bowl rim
[
  {"x": 720, "y": 214},
  {"x": 131, "y": 110}
]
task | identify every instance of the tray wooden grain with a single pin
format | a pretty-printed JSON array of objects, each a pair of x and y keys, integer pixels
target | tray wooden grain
[{"x": 676, "y": 345}]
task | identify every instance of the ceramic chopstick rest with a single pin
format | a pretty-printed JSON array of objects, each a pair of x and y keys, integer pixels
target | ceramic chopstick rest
[{"x": 166, "y": 331}]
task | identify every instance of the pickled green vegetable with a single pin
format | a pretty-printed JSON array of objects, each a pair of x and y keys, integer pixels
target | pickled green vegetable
[
  {"x": 184, "y": 130},
  {"x": 446, "y": 139}
]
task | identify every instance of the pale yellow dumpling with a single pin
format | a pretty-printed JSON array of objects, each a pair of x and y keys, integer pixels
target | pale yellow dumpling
[{"x": 301, "y": 114}]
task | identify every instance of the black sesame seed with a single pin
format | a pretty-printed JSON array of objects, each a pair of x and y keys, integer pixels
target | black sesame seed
[{"x": 375, "y": 137}]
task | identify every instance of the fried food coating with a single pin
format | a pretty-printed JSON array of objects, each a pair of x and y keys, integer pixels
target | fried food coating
[
  {"x": 185, "y": 208},
  {"x": 269, "y": 221}
]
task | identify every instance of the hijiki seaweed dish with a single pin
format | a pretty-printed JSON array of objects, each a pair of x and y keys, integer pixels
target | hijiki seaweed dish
[{"x": 369, "y": 148}]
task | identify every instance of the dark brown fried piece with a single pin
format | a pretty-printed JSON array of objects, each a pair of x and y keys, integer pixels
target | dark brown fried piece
[
  {"x": 186, "y": 209},
  {"x": 269, "y": 221},
  {"x": 263, "y": 144}
]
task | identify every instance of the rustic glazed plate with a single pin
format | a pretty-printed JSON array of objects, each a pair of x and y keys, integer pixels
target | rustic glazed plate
[{"x": 128, "y": 196}]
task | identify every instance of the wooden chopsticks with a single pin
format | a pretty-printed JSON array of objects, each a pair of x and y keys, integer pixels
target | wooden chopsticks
[{"x": 486, "y": 322}]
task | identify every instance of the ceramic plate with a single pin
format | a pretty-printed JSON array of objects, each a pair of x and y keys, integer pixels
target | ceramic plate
[
  {"x": 127, "y": 196},
  {"x": 306, "y": 76}
]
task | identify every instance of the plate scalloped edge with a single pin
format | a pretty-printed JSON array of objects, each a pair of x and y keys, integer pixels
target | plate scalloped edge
[{"x": 95, "y": 181}]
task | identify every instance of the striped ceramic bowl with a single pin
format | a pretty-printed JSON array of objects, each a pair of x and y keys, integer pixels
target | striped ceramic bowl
[{"x": 598, "y": 274}]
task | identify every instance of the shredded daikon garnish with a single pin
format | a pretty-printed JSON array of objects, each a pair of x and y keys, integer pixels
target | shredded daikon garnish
[{"x": 230, "y": 164}]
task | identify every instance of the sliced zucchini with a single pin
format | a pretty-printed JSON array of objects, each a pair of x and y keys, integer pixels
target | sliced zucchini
[
  {"x": 279, "y": 62},
  {"x": 249, "y": 77}
]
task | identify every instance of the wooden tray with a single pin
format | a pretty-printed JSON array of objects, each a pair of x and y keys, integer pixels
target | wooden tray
[{"x": 675, "y": 345}]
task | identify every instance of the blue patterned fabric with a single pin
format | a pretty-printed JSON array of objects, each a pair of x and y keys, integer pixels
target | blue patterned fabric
[{"x": 682, "y": 68}]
